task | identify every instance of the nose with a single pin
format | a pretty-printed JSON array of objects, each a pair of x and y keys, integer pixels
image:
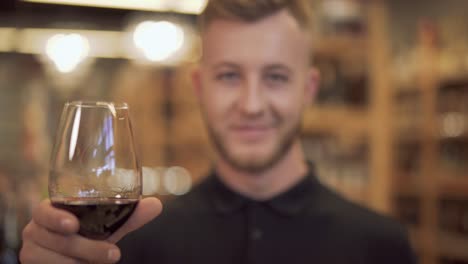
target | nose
[{"x": 252, "y": 100}]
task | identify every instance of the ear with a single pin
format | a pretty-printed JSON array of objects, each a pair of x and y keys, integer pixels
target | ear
[
  {"x": 312, "y": 85},
  {"x": 196, "y": 82}
]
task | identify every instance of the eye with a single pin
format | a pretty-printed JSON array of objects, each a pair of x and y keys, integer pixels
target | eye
[
  {"x": 276, "y": 78},
  {"x": 228, "y": 76}
]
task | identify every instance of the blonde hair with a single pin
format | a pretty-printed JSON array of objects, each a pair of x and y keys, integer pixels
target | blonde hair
[{"x": 253, "y": 10}]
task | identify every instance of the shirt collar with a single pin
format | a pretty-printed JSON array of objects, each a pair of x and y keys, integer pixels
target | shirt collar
[
  {"x": 289, "y": 203},
  {"x": 224, "y": 199}
]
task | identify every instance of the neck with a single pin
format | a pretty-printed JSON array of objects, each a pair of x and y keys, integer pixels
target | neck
[{"x": 269, "y": 183}]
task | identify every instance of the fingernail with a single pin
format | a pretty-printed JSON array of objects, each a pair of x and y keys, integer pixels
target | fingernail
[
  {"x": 66, "y": 223},
  {"x": 113, "y": 255}
]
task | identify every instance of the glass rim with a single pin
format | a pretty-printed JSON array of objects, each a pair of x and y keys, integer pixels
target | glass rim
[{"x": 95, "y": 104}]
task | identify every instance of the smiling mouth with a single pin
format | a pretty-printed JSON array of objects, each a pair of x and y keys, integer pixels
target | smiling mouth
[{"x": 251, "y": 133}]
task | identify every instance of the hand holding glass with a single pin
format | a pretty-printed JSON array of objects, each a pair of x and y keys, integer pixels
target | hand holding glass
[{"x": 95, "y": 173}]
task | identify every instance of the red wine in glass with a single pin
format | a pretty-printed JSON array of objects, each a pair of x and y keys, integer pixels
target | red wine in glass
[
  {"x": 99, "y": 218},
  {"x": 95, "y": 173}
]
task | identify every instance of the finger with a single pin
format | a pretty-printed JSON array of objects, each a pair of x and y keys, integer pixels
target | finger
[
  {"x": 56, "y": 220},
  {"x": 74, "y": 246},
  {"x": 33, "y": 254},
  {"x": 147, "y": 210}
]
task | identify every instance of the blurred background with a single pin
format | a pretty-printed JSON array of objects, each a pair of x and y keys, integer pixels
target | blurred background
[{"x": 389, "y": 128}]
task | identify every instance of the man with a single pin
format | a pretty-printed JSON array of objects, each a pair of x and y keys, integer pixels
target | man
[{"x": 262, "y": 203}]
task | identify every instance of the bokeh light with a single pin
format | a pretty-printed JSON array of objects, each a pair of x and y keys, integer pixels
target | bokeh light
[
  {"x": 177, "y": 180},
  {"x": 67, "y": 51},
  {"x": 158, "y": 41}
]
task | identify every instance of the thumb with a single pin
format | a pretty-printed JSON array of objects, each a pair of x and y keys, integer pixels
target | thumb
[{"x": 147, "y": 209}]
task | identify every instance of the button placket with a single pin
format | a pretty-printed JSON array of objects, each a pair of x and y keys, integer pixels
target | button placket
[
  {"x": 254, "y": 231},
  {"x": 256, "y": 234},
  {"x": 254, "y": 228}
]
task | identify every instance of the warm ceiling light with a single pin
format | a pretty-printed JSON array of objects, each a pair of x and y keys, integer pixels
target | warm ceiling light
[
  {"x": 102, "y": 44},
  {"x": 67, "y": 51},
  {"x": 188, "y": 6},
  {"x": 182, "y": 6},
  {"x": 158, "y": 40},
  {"x": 7, "y": 39}
]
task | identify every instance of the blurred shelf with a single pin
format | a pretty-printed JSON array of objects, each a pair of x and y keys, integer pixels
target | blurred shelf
[
  {"x": 341, "y": 46},
  {"x": 407, "y": 139},
  {"x": 448, "y": 244},
  {"x": 453, "y": 185},
  {"x": 412, "y": 87},
  {"x": 335, "y": 120},
  {"x": 420, "y": 154},
  {"x": 415, "y": 137},
  {"x": 414, "y": 233},
  {"x": 407, "y": 185},
  {"x": 407, "y": 89},
  {"x": 352, "y": 190},
  {"x": 462, "y": 138},
  {"x": 455, "y": 82},
  {"x": 355, "y": 194},
  {"x": 452, "y": 245}
]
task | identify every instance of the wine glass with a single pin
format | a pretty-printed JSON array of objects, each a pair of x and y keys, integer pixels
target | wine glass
[{"x": 95, "y": 173}]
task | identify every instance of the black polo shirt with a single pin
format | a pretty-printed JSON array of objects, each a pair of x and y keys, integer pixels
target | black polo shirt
[{"x": 309, "y": 223}]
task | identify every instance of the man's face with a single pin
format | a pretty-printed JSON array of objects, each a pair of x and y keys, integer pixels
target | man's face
[{"x": 253, "y": 84}]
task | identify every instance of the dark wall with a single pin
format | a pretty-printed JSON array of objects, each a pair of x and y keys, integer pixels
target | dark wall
[{"x": 7, "y": 5}]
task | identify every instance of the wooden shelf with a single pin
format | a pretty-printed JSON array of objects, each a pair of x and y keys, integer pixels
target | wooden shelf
[
  {"x": 353, "y": 192},
  {"x": 406, "y": 184},
  {"x": 341, "y": 46},
  {"x": 414, "y": 234},
  {"x": 453, "y": 185},
  {"x": 455, "y": 82},
  {"x": 415, "y": 138},
  {"x": 463, "y": 138},
  {"x": 452, "y": 245},
  {"x": 431, "y": 183},
  {"x": 336, "y": 120},
  {"x": 449, "y": 244},
  {"x": 413, "y": 88},
  {"x": 447, "y": 185}
]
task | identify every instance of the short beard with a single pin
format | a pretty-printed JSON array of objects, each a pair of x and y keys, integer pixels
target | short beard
[{"x": 284, "y": 146}]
